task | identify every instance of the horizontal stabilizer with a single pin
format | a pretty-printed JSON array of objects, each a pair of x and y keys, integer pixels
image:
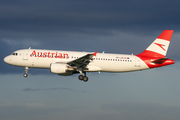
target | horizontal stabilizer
[{"x": 159, "y": 61}]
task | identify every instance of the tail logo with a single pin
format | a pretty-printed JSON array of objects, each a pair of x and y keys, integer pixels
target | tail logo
[{"x": 160, "y": 45}]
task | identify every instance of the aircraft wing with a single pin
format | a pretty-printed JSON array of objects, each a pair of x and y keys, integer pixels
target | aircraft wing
[{"x": 82, "y": 61}]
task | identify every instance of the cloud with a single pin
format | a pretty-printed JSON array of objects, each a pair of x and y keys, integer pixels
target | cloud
[
  {"x": 65, "y": 16},
  {"x": 24, "y": 104},
  {"x": 114, "y": 111},
  {"x": 47, "y": 89},
  {"x": 85, "y": 26},
  {"x": 23, "y": 43},
  {"x": 113, "y": 26},
  {"x": 31, "y": 89},
  {"x": 141, "y": 111},
  {"x": 25, "y": 111}
]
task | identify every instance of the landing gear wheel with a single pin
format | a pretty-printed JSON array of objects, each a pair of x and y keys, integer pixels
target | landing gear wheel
[
  {"x": 81, "y": 77},
  {"x": 26, "y": 70},
  {"x": 25, "y": 75},
  {"x": 85, "y": 79}
]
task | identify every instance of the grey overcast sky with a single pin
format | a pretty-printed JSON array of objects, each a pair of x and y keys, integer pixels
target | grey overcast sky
[{"x": 113, "y": 26}]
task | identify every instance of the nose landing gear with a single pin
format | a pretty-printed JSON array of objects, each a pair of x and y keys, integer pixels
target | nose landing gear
[{"x": 26, "y": 70}]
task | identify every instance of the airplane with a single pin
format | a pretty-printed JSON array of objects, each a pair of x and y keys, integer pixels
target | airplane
[{"x": 67, "y": 63}]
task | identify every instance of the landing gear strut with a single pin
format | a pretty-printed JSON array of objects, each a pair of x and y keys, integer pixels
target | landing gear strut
[
  {"x": 84, "y": 78},
  {"x": 26, "y": 70}
]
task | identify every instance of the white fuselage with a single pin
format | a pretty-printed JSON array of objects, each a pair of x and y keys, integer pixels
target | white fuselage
[
  {"x": 38, "y": 58},
  {"x": 69, "y": 62}
]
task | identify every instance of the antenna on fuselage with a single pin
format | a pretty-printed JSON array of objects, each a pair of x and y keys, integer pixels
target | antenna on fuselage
[{"x": 29, "y": 47}]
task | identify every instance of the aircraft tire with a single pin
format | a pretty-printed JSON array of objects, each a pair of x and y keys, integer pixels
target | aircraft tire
[
  {"x": 81, "y": 77},
  {"x": 25, "y": 75},
  {"x": 85, "y": 79}
]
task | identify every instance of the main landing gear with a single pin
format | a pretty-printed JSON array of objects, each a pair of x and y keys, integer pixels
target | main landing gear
[
  {"x": 83, "y": 78},
  {"x": 26, "y": 70}
]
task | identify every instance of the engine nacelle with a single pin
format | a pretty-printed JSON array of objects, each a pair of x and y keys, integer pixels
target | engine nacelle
[{"x": 58, "y": 68}]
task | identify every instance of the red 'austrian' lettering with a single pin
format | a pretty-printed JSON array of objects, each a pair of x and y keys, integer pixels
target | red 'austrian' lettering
[{"x": 49, "y": 55}]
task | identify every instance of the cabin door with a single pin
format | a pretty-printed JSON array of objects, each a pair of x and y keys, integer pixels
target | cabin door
[
  {"x": 25, "y": 55},
  {"x": 137, "y": 62}
]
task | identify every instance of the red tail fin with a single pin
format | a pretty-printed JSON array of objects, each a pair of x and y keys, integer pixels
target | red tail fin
[{"x": 160, "y": 46}]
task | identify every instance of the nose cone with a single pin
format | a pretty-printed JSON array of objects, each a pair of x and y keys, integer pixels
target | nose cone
[
  {"x": 8, "y": 60},
  {"x": 5, "y": 59}
]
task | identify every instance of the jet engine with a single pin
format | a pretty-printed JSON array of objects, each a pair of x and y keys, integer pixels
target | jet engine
[
  {"x": 58, "y": 68},
  {"x": 61, "y": 69}
]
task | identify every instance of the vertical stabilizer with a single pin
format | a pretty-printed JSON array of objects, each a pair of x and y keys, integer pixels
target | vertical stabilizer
[{"x": 160, "y": 45}]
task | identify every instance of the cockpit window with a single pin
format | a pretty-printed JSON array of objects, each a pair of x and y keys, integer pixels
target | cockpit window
[{"x": 15, "y": 54}]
